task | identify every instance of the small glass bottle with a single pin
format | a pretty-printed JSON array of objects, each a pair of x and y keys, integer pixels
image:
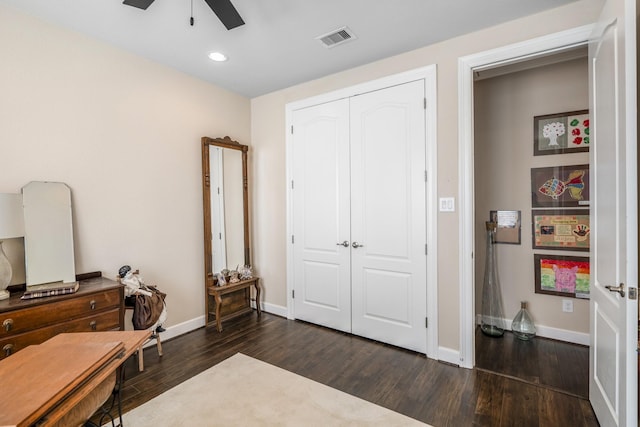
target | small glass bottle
[
  {"x": 492, "y": 318},
  {"x": 522, "y": 325}
]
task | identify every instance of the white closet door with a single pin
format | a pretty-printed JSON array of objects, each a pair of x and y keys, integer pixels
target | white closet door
[
  {"x": 388, "y": 163},
  {"x": 320, "y": 199}
]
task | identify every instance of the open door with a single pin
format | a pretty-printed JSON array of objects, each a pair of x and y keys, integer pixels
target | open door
[{"x": 614, "y": 254}]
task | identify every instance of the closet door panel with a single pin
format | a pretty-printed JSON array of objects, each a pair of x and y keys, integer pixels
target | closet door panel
[
  {"x": 321, "y": 215},
  {"x": 388, "y": 215}
]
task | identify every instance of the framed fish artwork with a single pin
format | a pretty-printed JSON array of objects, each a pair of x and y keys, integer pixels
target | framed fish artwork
[
  {"x": 563, "y": 229},
  {"x": 560, "y": 186},
  {"x": 562, "y": 275},
  {"x": 561, "y": 133}
]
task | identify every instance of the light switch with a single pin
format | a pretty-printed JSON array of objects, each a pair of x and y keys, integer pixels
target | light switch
[
  {"x": 447, "y": 204},
  {"x": 567, "y": 306}
]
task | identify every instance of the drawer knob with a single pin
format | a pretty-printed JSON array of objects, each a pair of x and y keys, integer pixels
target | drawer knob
[
  {"x": 92, "y": 304},
  {"x": 7, "y": 324},
  {"x": 8, "y": 349},
  {"x": 93, "y": 325}
]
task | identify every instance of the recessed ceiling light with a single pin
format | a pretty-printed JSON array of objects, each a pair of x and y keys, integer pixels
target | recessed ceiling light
[{"x": 217, "y": 56}]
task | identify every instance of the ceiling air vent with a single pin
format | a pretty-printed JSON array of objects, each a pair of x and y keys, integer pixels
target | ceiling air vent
[{"x": 336, "y": 37}]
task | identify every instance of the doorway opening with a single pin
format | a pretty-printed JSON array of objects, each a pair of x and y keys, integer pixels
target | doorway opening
[
  {"x": 510, "y": 102},
  {"x": 468, "y": 68}
]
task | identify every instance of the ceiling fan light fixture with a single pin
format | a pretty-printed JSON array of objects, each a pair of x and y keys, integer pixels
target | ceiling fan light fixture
[
  {"x": 217, "y": 57},
  {"x": 140, "y": 4}
]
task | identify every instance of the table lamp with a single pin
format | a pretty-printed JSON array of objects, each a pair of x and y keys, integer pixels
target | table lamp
[{"x": 11, "y": 226}]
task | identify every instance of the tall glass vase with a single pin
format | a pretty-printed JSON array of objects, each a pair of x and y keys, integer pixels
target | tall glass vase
[{"x": 492, "y": 316}]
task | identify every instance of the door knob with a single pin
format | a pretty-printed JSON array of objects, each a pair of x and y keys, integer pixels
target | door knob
[
  {"x": 356, "y": 245},
  {"x": 619, "y": 289},
  {"x": 345, "y": 244}
]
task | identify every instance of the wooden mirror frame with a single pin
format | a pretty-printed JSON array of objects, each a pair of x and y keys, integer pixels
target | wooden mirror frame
[{"x": 225, "y": 142}]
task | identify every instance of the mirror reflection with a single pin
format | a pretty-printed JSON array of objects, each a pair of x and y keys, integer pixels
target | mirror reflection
[
  {"x": 227, "y": 213},
  {"x": 48, "y": 241}
]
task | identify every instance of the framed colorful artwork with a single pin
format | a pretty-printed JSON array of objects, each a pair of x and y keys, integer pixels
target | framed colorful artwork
[
  {"x": 560, "y": 186},
  {"x": 561, "y": 133},
  {"x": 565, "y": 229},
  {"x": 508, "y": 226},
  {"x": 562, "y": 275}
]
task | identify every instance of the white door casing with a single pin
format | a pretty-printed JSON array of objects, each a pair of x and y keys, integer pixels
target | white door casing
[
  {"x": 388, "y": 223},
  {"x": 467, "y": 66},
  {"x": 614, "y": 252},
  {"x": 321, "y": 215}
]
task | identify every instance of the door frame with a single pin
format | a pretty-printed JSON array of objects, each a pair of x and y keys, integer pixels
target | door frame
[
  {"x": 427, "y": 73},
  {"x": 467, "y": 66}
]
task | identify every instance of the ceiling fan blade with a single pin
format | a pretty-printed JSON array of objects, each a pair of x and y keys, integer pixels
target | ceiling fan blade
[
  {"x": 226, "y": 13},
  {"x": 140, "y": 4}
]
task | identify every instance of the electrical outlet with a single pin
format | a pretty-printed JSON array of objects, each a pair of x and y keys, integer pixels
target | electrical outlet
[{"x": 567, "y": 306}]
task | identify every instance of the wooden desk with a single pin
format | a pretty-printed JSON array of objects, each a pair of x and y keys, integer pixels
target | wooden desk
[
  {"x": 218, "y": 291},
  {"x": 48, "y": 381}
]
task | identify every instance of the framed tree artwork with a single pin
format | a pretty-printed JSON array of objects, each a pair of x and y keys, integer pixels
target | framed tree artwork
[
  {"x": 560, "y": 186},
  {"x": 562, "y": 275},
  {"x": 563, "y": 229},
  {"x": 561, "y": 133}
]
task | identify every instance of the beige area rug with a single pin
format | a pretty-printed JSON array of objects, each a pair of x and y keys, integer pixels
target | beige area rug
[{"x": 242, "y": 391}]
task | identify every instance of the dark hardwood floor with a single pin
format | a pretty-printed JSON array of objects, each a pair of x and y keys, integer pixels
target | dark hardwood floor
[
  {"x": 557, "y": 365},
  {"x": 401, "y": 380}
]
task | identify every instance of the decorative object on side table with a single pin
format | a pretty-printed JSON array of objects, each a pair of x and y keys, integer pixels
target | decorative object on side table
[
  {"x": 245, "y": 272},
  {"x": 233, "y": 276},
  {"x": 221, "y": 279},
  {"x": 492, "y": 317},
  {"x": 11, "y": 226},
  {"x": 522, "y": 325}
]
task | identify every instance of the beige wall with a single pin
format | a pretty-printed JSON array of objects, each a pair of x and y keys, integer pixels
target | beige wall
[
  {"x": 124, "y": 134},
  {"x": 504, "y": 111},
  {"x": 268, "y": 143}
]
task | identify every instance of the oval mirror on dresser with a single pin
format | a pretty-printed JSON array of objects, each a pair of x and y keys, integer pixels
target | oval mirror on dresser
[{"x": 226, "y": 228}]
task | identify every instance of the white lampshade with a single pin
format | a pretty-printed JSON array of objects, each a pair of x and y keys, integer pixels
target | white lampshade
[
  {"x": 11, "y": 216},
  {"x": 11, "y": 225}
]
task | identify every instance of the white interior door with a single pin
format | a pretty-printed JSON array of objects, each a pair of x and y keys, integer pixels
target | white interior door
[
  {"x": 388, "y": 222},
  {"x": 321, "y": 212},
  {"x": 614, "y": 254}
]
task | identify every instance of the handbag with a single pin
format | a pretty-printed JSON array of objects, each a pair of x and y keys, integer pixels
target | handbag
[{"x": 147, "y": 309}]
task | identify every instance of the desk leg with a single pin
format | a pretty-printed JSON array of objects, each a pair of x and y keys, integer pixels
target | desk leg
[
  {"x": 257, "y": 286},
  {"x": 218, "y": 298}
]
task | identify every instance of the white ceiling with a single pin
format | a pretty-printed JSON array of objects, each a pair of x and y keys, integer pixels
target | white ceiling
[{"x": 276, "y": 48}]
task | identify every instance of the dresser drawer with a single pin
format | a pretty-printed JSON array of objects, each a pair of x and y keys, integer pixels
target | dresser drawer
[
  {"x": 63, "y": 310},
  {"x": 105, "y": 321}
]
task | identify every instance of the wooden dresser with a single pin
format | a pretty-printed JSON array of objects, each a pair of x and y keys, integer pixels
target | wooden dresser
[{"x": 98, "y": 305}]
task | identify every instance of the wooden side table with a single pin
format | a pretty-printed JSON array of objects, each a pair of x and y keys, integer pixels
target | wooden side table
[{"x": 218, "y": 291}]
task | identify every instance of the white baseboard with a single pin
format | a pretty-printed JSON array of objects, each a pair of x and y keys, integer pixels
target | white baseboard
[
  {"x": 274, "y": 309},
  {"x": 179, "y": 329},
  {"x": 449, "y": 355},
  {"x": 199, "y": 322},
  {"x": 554, "y": 333}
]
